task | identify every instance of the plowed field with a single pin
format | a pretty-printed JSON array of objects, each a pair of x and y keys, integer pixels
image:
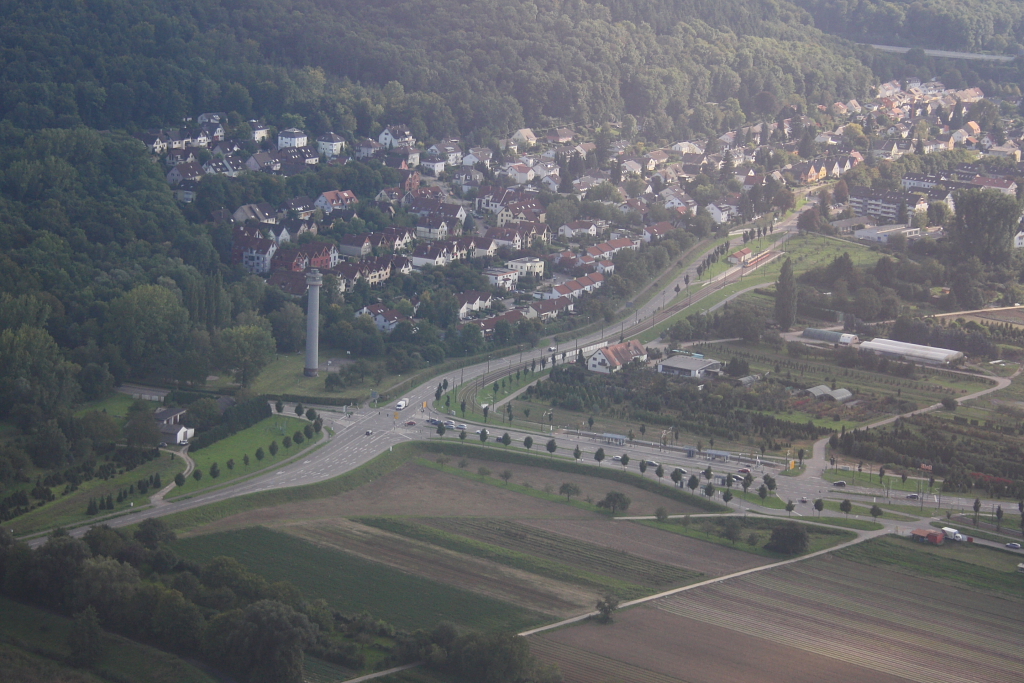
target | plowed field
[{"x": 822, "y": 620}]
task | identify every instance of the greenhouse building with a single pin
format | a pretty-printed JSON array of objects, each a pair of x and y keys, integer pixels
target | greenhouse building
[{"x": 915, "y": 353}]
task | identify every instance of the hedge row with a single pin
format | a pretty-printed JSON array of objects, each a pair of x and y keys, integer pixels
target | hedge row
[{"x": 470, "y": 450}]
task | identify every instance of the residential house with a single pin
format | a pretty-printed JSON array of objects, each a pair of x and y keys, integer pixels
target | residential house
[
  {"x": 571, "y": 230},
  {"x": 653, "y": 233},
  {"x": 884, "y": 205},
  {"x": 263, "y": 161},
  {"x": 335, "y": 200},
  {"x": 396, "y": 135},
  {"x": 186, "y": 171},
  {"x": 449, "y": 150},
  {"x": 291, "y": 137},
  {"x": 528, "y": 265},
  {"x": 290, "y": 282},
  {"x": 548, "y": 309},
  {"x": 525, "y": 136},
  {"x": 260, "y": 131},
  {"x": 432, "y": 228},
  {"x": 367, "y": 148},
  {"x": 186, "y": 191},
  {"x": 258, "y": 213},
  {"x": 296, "y": 207},
  {"x": 433, "y": 165},
  {"x": 741, "y": 257},
  {"x": 484, "y": 247},
  {"x": 614, "y": 357},
  {"x": 355, "y": 245},
  {"x": 330, "y": 144},
  {"x": 520, "y": 173},
  {"x": 434, "y": 254},
  {"x": 504, "y": 278},
  {"x": 478, "y": 155},
  {"x": 254, "y": 253}
]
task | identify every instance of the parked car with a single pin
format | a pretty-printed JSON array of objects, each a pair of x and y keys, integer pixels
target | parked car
[
  {"x": 462, "y": 427},
  {"x": 652, "y": 463},
  {"x": 839, "y": 484},
  {"x": 616, "y": 457},
  {"x": 369, "y": 432},
  {"x": 744, "y": 470},
  {"x": 552, "y": 348},
  {"x": 911, "y": 496},
  {"x": 163, "y": 444},
  {"x": 804, "y": 499},
  {"x": 1015, "y": 546}
]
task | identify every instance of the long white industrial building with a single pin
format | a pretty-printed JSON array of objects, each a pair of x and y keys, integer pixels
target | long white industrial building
[{"x": 912, "y": 352}]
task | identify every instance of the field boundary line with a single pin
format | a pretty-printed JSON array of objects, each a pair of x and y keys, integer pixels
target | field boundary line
[{"x": 708, "y": 582}]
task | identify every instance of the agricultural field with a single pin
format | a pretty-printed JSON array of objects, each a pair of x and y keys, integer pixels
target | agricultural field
[
  {"x": 229, "y": 454},
  {"x": 828, "y": 616},
  {"x": 352, "y": 585},
  {"x": 451, "y": 543}
]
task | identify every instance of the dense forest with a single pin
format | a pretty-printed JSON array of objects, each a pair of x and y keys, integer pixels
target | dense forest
[
  {"x": 349, "y": 66},
  {"x": 965, "y": 25}
]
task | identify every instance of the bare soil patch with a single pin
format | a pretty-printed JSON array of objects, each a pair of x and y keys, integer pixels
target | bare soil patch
[
  {"x": 481, "y": 576},
  {"x": 678, "y": 648},
  {"x": 411, "y": 490},
  {"x": 652, "y": 544}
]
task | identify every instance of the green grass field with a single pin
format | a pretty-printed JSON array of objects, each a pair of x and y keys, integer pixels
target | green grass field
[
  {"x": 45, "y": 634},
  {"x": 284, "y": 376},
  {"x": 70, "y": 509},
  {"x": 116, "y": 405},
  {"x": 865, "y": 511},
  {"x": 987, "y": 569},
  {"x": 710, "y": 530},
  {"x": 245, "y": 442},
  {"x": 352, "y": 585}
]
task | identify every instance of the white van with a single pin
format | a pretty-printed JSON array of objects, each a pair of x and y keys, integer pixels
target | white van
[{"x": 402, "y": 404}]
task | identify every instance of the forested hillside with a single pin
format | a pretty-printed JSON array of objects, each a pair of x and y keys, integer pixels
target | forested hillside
[
  {"x": 478, "y": 66},
  {"x": 963, "y": 25}
]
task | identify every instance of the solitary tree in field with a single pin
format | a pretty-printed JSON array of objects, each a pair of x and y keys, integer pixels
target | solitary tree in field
[
  {"x": 903, "y": 477},
  {"x": 506, "y": 475},
  {"x": 463, "y": 407},
  {"x": 615, "y": 502},
  {"x": 977, "y": 509},
  {"x": 279, "y": 406},
  {"x": 876, "y": 511},
  {"x": 487, "y": 409},
  {"x": 605, "y": 607},
  {"x": 179, "y": 479},
  {"x": 590, "y": 421},
  {"x": 731, "y": 530},
  {"x": 577, "y": 453},
  {"x": 245, "y": 459},
  {"x": 528, "y": 442},
  {"x": 800, "y": 456},
  {"x": 845, "y": 507},
  {"x": 763, "y": 492},
  {"x": 506, "y": 439},
  {"x": 197, "y": 474},
  {"x": 727, "y": 496},
  {"x": 790, "y": 506},
  {"x": 692, "y": 483},
  {"x": 441, "y": 430},
  {"x": 568, "y": 490},
  {"x": 483, "y": 472},
  {"x": 770, "y": 483},
  {"x": 599, "y": 456},
  {"x": 551, "y": 446},
  {"x": 214, "y": 470},
  {"x": 661, "y": 514},
  {"x": 819, "y": 505},
  {"x": 274, "y": 448},
  {"x": 442, "y": 460},
  {"x": 643, "y": 467},
  {"x": 624, "y": 461}
]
